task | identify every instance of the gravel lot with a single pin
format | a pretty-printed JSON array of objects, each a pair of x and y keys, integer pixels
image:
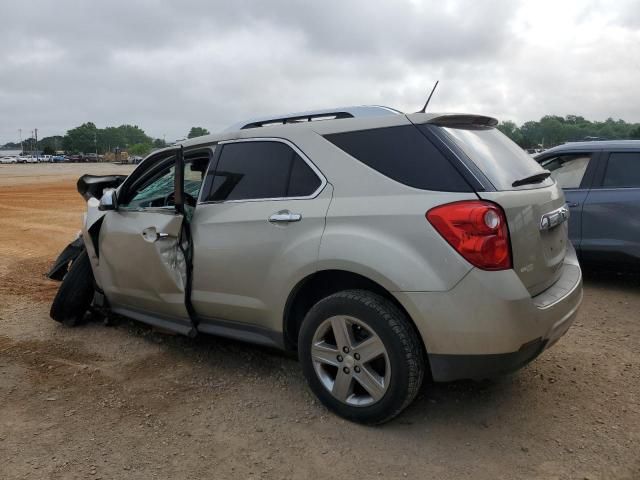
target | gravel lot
[{"x": 128, "y": 402}]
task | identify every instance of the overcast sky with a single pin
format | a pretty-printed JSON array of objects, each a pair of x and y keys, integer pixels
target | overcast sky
[{"x": 167, "y": 66}]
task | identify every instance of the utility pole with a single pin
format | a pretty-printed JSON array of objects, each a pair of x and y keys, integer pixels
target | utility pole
[
  {"x": 21, "y": 146},
  {"x": 37, "y": 151}
]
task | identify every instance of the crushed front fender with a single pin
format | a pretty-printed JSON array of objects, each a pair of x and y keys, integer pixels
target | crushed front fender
[{"x": 66, "y": 257}]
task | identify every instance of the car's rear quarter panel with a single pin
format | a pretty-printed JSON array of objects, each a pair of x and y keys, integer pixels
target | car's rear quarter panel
[{"x": 377, "y": 227}]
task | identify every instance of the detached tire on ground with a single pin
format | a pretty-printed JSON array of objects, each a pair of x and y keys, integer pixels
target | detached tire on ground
[
  {"x": 361, "y": 356},
  {"x": 75, "y": 293}
]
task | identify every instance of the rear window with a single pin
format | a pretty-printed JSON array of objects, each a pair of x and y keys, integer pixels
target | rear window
[
  {"x": 404, "y": 155},
  {"x": 501, "y": 160}
]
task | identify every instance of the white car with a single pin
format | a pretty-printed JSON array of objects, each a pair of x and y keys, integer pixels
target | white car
[
  {"x": 27, "y": 159},
  {"x": 8, "y": 160}
]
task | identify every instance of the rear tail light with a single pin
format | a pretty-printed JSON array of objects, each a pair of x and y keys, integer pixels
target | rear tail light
[{"x": 477, "y": 230}]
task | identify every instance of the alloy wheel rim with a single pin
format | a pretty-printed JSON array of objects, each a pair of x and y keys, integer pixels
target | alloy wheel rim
[{"x": 351, "y": 361}]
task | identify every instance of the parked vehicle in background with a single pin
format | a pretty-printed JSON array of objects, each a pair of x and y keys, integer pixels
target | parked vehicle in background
[
  {"x": 8, "y": 160},
  {"x": 601, "y": 181},
  {"x": 91, "y": 157},
  {"x": 58, "y": 158},
  {"x": 380, "y": 246},
  {"x": 45, "y": 158},
  {"x": 27, "y": 159},
  {"x": 76, "y": 158}
]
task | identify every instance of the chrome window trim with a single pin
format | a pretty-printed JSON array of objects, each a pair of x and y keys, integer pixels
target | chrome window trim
[{"x": 307, "y": 160}]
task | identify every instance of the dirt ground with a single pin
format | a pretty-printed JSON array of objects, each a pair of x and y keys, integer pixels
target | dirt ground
[{"x": 128, "y": 402}]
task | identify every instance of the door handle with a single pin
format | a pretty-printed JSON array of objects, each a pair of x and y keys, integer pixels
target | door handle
[
  {"x": 285, "y": 216},
  {"x": 151, "y": 235},
  {"x": 573, "y": 204}
]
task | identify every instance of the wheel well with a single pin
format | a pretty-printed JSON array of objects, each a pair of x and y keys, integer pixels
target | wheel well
[{"x": 319, "y": 285}]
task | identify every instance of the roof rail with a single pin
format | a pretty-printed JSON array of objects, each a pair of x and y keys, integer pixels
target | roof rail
[{"x": 315, "y": 115}]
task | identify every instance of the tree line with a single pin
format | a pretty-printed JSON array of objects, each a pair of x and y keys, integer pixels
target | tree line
[
  {"x": 553, "y": 130},
  {"x": 87, "y": 138},
  {"x": 549, "y": 131}
]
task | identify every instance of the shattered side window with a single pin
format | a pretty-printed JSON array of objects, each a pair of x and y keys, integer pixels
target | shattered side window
[
  {"x": 155, "y": 193},
  {"x": 157, "y": 190}
]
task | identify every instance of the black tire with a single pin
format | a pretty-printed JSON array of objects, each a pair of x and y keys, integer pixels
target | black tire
[
  {"x": 403, "y": 346},
  {"x": 75, "y": 293}
]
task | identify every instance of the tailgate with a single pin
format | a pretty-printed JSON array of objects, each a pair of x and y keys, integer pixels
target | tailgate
[
  {"x": 538, "y": 232},
  {"x": 533, "y": 203}
]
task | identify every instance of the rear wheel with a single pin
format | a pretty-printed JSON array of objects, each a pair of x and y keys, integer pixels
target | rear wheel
[
  {"x": 75, "y": 293},
  {"x": 361, "y": 356}
]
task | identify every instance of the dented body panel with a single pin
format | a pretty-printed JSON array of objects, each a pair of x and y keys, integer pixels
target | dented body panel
[{"x": 141, "y": 267}]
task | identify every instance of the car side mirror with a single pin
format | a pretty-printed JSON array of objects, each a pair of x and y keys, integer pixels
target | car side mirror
[{"x": 109, "y": 200}]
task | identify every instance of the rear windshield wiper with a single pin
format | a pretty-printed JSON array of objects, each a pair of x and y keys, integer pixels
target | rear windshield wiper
[{"x": 537, "y": 178}]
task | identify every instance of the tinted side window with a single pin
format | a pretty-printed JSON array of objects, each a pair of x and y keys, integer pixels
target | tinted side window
[
  {"x": 303, "y": 181},
  {"x": 567, "y": 170},
  {"x": 255, "y": 170},
  {"x": 403, "y": 154},
  {"x": 623, "y": 170}
]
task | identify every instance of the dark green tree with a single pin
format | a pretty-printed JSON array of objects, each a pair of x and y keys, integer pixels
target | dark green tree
[
  {"x": 511, "y": 130},
  {"x": 50, "y": 144},
  {"x": 197, "y": 132},
  {"x": 81, "y": 139},
  {"x": 139, "y": 149},
  {"x": 552, "y": 130},
  {"x": 159, "y": 143},
  {"x": 87, "y": 138}
]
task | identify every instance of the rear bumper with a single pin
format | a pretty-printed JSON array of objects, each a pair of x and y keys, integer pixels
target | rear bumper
[
  {"x": 489, "y": 324},
  {"x": 453, "y": 367}
]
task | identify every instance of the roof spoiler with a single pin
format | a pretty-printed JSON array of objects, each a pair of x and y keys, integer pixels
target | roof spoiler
[{"x": 457, "y": 120}]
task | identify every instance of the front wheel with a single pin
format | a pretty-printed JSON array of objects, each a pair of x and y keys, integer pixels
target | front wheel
[
  {"x": 361, "y": 356},
  {"x": 75, "y": 293}
]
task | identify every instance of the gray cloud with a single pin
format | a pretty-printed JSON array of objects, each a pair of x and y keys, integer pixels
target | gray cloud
[{"x": 167, "y": 66}]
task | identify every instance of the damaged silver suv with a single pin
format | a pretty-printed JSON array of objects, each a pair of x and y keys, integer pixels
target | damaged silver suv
[{"x": 380, "y": 246}]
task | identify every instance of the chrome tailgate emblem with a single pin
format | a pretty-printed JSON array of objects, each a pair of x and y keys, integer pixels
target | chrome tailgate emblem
[{"x": 554, "y": 218}]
